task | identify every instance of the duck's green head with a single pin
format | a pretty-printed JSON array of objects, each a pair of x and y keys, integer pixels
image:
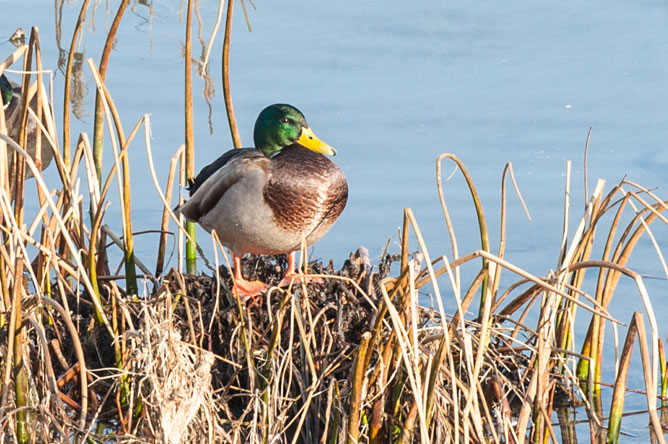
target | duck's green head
[
  {"x": 6, "y": 90},
  {"x": 279, "y": 126}
]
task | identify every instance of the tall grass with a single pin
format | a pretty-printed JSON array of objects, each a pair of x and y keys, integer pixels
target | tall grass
[{"x": 357, "y": 358}]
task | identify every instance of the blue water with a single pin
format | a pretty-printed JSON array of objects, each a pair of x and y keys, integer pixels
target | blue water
[{"x": 392, "y": 85}]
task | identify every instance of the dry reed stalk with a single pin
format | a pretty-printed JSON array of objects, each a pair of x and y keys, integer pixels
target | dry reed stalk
[
  {"x": 104, "y": 61},
  {"x": 507, "y": 170},
  {"x": 229, "y": 108},
  {"x": 482, "y": 225}
]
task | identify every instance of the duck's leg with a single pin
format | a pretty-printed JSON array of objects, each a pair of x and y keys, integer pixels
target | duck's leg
[
  {"x": 291, "y": 276},
  {"x": 245, "y": 289}
]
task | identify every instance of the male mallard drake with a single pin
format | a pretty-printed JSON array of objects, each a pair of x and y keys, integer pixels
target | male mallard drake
[
  {"x": 265, "y": 200},
  {"x": 11, "y": 99}
]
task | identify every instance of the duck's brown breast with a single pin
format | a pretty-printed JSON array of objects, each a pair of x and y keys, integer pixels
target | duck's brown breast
[{"x": 306, "y": 191}]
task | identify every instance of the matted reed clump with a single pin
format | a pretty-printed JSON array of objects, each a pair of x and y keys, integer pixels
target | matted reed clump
[{"x": 171, "y": 357}]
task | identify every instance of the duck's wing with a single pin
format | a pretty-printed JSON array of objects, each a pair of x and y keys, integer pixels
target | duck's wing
[
  {"x": 214, "y": 166},
  {"x": 216, "y": 178}
]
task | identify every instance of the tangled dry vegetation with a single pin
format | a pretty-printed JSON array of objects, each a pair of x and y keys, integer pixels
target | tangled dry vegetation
[{"x": 89, "y": 354}]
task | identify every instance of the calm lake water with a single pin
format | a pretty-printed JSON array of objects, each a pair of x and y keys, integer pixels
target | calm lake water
[{"x": 392, "y": 85}]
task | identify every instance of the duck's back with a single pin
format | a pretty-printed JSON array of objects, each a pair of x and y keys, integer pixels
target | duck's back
[{"x": 217, "y": 164}]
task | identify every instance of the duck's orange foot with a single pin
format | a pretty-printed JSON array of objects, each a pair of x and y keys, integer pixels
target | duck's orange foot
[
  {"x": 247, "y": 289},
  {"x": 295, "y": 278}
]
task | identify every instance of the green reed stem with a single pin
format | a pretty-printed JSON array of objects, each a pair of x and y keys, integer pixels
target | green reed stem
[
  {"x": 191, "y": 227},
  {"x": 619, "y": 390},
  {"x": 129, "y": 257}
]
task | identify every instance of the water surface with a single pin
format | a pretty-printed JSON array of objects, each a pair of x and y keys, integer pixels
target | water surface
[{"x": 392, "y": 85}]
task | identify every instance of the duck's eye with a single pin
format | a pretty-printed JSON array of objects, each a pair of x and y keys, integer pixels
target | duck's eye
[{"x": 285, "y": 120}]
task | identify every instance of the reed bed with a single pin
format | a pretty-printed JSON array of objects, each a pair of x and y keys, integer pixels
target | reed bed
[{"x": 357, "y": 357}]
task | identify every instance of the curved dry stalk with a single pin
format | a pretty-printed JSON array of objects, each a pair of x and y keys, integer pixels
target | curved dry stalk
[
  {"x": 446, "y": 215},
  {"x": 229, "y": 108},
  {"x": 584, "y": 165},
  {"x": 507, "y": 169},
  {"x": 98, "y": 129},
  {"x": 482, "y": 225}
]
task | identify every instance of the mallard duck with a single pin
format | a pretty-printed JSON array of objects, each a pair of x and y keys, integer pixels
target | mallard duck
[
  {"x": 11, "y": 99},
  {"x": 265, "y": 200}
]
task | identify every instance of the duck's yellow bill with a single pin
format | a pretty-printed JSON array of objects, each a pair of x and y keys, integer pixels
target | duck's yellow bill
[{"x": 310, "y": 141}]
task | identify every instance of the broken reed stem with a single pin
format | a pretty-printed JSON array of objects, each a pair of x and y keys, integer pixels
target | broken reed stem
[
  {"x": 164, "y": 226},
  {"x": 21, "y": 385},
  {"x": 619, "y": 390},
  {"x": 357, "y": 389}
]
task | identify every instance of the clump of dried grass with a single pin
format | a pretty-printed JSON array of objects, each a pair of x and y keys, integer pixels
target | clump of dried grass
[{"x": 175, "y": 377}]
